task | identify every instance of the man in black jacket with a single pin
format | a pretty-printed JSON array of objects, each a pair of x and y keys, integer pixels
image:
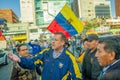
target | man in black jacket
[{"x": 90, "y": 68}]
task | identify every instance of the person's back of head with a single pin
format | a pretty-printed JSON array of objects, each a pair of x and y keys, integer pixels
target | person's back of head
[{"x": 36, "y": 41}]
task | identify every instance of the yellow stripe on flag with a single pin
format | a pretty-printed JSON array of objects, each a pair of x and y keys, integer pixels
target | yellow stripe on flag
[{"x": 72, "y": 19}]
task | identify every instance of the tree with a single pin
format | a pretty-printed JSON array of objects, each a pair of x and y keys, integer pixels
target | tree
[{"x": 91, "y": 24}]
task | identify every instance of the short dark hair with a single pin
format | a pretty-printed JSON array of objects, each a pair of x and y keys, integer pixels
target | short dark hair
[
  {"x": 18, "y": 46},
  {"x": 63, "y": 37},
  {"x": 36, "y": 40},
  {"x": 111, "y": 44},
  {"x": 85, "y": 40}
]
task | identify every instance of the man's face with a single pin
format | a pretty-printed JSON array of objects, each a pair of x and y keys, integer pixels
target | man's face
[
  {"x": 92, "y": 44},
  {"x": 23, "y": 51},
  {"x": 36, "y": 43},
  {"x": 104, "y": 58},
  {"x": 57, "y": 42},
  {"x": 85, "y": 45}
]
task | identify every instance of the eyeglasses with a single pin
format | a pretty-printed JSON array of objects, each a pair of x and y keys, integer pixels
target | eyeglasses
[{"x": 23, "y": 49}]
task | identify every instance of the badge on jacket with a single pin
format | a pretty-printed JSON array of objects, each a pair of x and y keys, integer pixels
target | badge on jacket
[{"x": 60, "y": 65}]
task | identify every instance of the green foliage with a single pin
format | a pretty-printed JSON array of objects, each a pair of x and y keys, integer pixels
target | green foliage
[{"x": 91, "y": 24}]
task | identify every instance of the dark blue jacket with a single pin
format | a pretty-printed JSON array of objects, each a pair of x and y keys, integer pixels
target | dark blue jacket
[
  {"x": 112, "y": 73},
  {"x": 54, "y": 69},
  {"x": 35, "y": 48}
]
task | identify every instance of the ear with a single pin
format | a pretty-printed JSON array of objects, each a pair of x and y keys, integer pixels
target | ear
[
  {"x": 97, "y": 41},
  {"x": 112, "y": 55},
  {"x": 63, "y": 42}
]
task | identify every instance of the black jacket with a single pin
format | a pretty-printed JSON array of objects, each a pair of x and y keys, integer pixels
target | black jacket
[
  {"x": 90, "y": 68},
  {"x": 113, "y": 73}
]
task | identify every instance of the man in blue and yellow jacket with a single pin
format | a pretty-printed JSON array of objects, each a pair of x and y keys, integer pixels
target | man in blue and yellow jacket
[{"x": 58, "y": 63}]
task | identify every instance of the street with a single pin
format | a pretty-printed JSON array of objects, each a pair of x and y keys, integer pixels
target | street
[{"x": 5, "y": 71}]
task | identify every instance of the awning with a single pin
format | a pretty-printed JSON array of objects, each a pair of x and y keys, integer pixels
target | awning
[{"x": 13, "y": 32}]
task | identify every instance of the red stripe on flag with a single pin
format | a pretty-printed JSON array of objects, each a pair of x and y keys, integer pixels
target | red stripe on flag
[
  {"x": 0, "y": 32},
  {"x": 55, "y": 27}
]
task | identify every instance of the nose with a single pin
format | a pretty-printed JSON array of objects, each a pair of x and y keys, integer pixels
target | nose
[{"x": 26, "y": 49}]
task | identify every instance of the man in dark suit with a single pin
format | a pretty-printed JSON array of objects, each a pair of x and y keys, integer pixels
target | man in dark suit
[{"x": 108, "y": 52}]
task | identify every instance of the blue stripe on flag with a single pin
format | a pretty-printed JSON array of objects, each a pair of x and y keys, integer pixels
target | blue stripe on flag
[{"x": 63, "y": 22}]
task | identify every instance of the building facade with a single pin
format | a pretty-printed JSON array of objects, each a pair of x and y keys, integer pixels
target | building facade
[
  {"x": 27, "y": 10},
  {"x": 87, "y": 9},
  {"x": 9, "y": 15},
  {"x": 39, "y": 19},
  {"x": 83, "y": 9},
  {"x": 39, "y": 13},
  {"x": 46, "y": 10},
  {"x": 17, "y": 32},
  {"x": 102, "y": 9},
  {"x": 117, "y": 8},
  {"x": 75, "y": 7},
  {"x": 114, "y": 25}
]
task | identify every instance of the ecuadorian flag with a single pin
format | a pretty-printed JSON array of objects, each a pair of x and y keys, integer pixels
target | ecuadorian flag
[{"x": 66, "y": 22}]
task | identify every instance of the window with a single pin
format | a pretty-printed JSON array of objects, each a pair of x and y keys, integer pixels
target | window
[
  {"x": 39, "y": 22},
  {"x": 38, "y": 5},
  {"x": 23, "y": 1},
  {"x": 90, "y": 2},
  {"x": 56, "y": 3},
  {"x": 89, "y": 14},
  {"x": 33, "y": 30},
  {"x": 89, "y": 10},
  {"x": 39, "y": 14}
]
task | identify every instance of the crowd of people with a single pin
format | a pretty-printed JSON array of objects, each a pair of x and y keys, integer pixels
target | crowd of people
[{"x": 99, "y": 59}]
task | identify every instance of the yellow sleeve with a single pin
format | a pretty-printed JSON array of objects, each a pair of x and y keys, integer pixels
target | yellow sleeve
[{"x": 80, "y": 59}]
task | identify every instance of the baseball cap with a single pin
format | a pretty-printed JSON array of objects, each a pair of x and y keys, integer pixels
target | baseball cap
[
  {"x": 92, "y": 37},
  {"x": 36, "y": 40}
]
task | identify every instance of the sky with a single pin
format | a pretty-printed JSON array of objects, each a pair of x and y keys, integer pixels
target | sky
[
  {"x": 113, "y": 8},
  {"x": 12, "y": 4},
  {"x": 15, "y": 6}
]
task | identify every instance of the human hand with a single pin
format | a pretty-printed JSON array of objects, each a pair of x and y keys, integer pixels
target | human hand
[
  {"x": 31, "y": 40},
  {"x": 13, "y": 57}
]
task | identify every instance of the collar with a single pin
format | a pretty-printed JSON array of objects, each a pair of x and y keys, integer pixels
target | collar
[
  {"x": 106, "y": 68},
  {"x": 56, "y": 55},
  {"x": 51, "y": 51}
]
